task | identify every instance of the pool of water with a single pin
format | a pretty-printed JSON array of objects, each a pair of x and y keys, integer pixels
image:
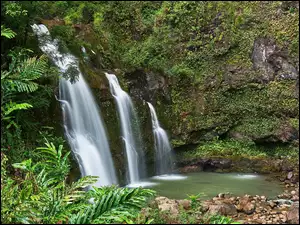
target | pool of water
[{"x": 210, "y": 184}]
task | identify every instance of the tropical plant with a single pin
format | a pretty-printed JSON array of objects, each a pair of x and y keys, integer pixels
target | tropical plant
[
  {"x": 20, "y": 77},
  {"x": 113, "y": 205},
  {"x": 195, "y": 199},
  {"x": 41, "y": 194},
  {"x": 7, "y": 32}
]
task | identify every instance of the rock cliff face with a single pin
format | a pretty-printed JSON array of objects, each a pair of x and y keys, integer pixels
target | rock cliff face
[
  {"x": 262, "y": 107},
  {"x": 258, "y": 104}
]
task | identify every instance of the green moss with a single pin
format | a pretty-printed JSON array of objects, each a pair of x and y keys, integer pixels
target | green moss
[
  {"x": 294, "y": 122},
  {"x": 175, "y": 143},
  {"x": 237, "y": 150},
  {"x": 258, "y": 127}
]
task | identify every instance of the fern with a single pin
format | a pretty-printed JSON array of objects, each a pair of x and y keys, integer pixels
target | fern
[
  {"x": 43, "y": 196},
  {"x": 12, "y": 106},
  {"x": 32, "y": 68},
  {"x": 20, "y": 78},
  {"x": 57, "y": 164},
  {"x": 7, "y": 32},
  {"x": 23, "y": 86},
  {"x": 113, "y": 205}
]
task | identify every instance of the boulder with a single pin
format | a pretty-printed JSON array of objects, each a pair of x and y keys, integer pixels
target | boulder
[
  {"x": 223, "y": 209},
  {"x": 293, "y": 214},
  {"x": 186, "y": 204},
  {"x": 165, "y": 204},
  {"x": 205, "y": 205},
  {"x": 272, "y": 61},
  {"x": 245, "y": 205}
]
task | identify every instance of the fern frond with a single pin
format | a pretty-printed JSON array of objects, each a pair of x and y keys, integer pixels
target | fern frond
[
  {"x": 83, "y": 182},
  {"x": 4, "y": 74},
  {"x": 25, "y": 86},
  {"x": 32, "y": 68},
  {"x": 12, "y": 106},
  {"x": 115, "y": 205},
  {"x": 7, "y": 32}
]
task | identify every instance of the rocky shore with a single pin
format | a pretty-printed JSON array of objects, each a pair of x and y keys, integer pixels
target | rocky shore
[{"x": 247, "y": 209}]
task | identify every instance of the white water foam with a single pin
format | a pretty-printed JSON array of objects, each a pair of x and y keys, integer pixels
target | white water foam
[
  {"x": 141, "y": 184},
  {"x": 246, "y": 176},
  {"x": 170, "y": 177}
]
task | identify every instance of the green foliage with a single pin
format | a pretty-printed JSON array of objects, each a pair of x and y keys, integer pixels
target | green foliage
[
  {"x": 21, "y": 75},
  {"x": 195, "y": 199},
  {"x": 53, "y": 158},
  {"x": 19, "y": 84},
  {"x": 40, "y": 194},
  {"x": 13, "y": 9},
  {"x": 7, "y": 32},
  {"x": 47, "y": 132},
  {"x": 187, "y": 217},
  {"x": 63, "y": 32},
  {"x": 235, "y": 149},
  {"x": 205, "y": 47},
  {"x": 219, "y": 219},
  {"x": 113, "y": 205},
  {"x": 19, "y": 78}
]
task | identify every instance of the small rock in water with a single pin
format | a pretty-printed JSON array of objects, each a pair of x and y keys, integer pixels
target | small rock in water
[
  {"x": 215, "y": 198},
  {"x": 272, "y": 204},
  {"x": 289, "y": 175},
  {"x": 282, "y": 179},
  {"x": 293, "y": 192},
  {"x": 221, "y": 195},
  {"x": 232, "y": 199}
]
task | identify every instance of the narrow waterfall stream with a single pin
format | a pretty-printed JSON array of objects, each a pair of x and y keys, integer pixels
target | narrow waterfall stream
[
  {"x": 130, "y": 131},
  {"x": 163, "y": 151},
  {"x": 84, "y": 127}
]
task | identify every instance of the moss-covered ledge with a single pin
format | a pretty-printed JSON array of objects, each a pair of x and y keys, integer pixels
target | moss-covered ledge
[{"x": 237, "y": 156}]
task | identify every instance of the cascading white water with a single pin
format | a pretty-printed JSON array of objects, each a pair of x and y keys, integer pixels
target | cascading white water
[
  {"x": 163, "y": 151},
  {"x": 83, "y": 125},
  {"x": 129, "y": 127}
]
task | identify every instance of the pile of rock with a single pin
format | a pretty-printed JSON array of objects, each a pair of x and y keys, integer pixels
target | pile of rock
[
  {"x": 246, "y": 209},
  {"x": 255, "y": 209}
]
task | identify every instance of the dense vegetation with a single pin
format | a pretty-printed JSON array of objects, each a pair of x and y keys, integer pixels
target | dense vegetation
[{"x": 204, "y": 51}]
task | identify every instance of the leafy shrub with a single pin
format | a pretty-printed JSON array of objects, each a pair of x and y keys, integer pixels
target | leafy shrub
[{"x": 40, "y": 194}]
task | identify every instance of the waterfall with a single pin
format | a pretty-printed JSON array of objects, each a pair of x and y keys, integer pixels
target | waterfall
[
  {"x": 130, "y": 129},
  {"x": 163, "y": 151},
  {"x": 83, "y": 125}
]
